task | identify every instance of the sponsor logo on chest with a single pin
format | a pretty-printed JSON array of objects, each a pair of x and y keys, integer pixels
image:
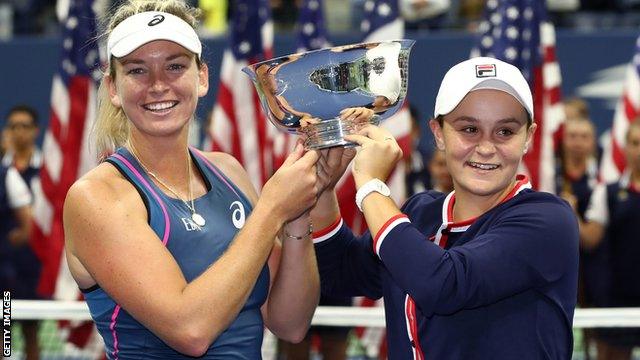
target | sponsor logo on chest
[{"x": 237, "y": 215}]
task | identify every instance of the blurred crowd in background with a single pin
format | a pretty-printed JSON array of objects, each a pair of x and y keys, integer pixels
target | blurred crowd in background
[{"x": 38, "y": 17}]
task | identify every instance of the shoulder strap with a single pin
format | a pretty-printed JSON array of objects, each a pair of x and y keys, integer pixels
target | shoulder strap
[{"x": 156, "y": 209}]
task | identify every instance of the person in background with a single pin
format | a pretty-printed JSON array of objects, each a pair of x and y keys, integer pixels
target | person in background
[
  {"x": 215, "y": 14},
  {"x": 424, "y": 14},
  {"x": 418, "y": 177},
  {"x": 577, "y": 172},
  {"x": 5, "y": 142},
  {"x": 15, "y": 231},
  {"x": 470, "y": 13},
  {"x": 575, "y": 108},
  {"x": 609, "y": 221},
  {"x": 425, "y": 171},
  {"x": 576, "y": 177},
  {"x": 285, "y": 13},
  {"x": 441, "y": 180},
  {"x": 21, "y": 126}
]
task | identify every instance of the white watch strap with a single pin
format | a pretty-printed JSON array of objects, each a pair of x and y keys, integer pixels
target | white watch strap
[{"x": 373, "y": 185}]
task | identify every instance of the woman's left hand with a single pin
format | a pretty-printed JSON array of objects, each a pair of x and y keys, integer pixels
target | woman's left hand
[{"x": 377, "y": 156}]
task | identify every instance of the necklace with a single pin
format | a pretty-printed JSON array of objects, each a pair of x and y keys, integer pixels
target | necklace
[{"x": 197, "y": 218}]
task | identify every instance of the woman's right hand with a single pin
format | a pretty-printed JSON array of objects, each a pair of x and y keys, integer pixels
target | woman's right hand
[
  {"x": 379, "y": 152},
  {"x": 293, "y": 189},
  {"x": 331, "y": 166},
  {"x": 357, "y": 115}
]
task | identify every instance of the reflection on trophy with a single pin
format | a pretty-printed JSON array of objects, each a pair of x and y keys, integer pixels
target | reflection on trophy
[{"x": 306, "y": 93}]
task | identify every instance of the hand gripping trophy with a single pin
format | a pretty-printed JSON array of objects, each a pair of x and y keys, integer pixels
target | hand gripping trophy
[{"x": 306, "y": 93}]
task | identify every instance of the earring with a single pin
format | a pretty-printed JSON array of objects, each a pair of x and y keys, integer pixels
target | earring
[{"x": 525, "y": 150}]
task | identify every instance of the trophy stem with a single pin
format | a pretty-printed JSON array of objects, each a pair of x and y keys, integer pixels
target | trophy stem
[{"x": 329, "y": 133}]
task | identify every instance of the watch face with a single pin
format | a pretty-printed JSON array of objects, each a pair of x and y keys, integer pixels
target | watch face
[{"x": 382, "y": 188}]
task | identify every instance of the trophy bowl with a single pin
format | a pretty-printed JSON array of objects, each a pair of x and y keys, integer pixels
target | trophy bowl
[{"x": 304, "y": 93}]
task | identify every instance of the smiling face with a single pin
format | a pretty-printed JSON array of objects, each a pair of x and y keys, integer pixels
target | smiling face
[
  {"x": 158, "y": 86},
  {"x": 484, "y": 139}
]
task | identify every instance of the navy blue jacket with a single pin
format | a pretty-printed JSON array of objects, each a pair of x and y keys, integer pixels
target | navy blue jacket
[{"x": 502, "y": 286}]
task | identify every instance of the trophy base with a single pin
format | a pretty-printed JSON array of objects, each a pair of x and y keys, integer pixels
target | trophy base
[{"x": 330, "y": 133}]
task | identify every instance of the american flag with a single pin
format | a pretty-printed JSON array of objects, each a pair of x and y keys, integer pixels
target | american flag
[
  {"x": 382, "y": 21},
  {"x": 238, "y": 124},
  {"x": 311, "y": 32},
  {"x": 519, "y": 32},
  {"x": 627, "y": 110},
  {"x": 66, "y": 150}
]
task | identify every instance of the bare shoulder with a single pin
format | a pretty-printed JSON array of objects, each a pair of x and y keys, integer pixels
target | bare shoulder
[
  {"x": 94, "y": 203},
  {"x": 102, "y": 183},
  {"x": 235, "y": 172},
  {"x": 94, "y": 197}
]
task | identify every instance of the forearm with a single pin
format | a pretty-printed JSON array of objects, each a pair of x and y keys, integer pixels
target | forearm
[
  {"x": 378, "y": 210},
  {"x": 295, "y": 292},
  {"x": 326, "y": 210},
  {"x": 22, "y": 233},
  {"x": 346, "y": 263}
]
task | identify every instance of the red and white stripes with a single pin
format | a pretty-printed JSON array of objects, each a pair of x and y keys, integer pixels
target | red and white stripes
[
  {"x": 627, "y": 110},
  {"x": 67, "y": 157},
  {"x": 328, "y": 232},
  {"x": 540, "y": 161},
  {"x": 238, "y": 124},
  {"x": 386, "y": 229}
]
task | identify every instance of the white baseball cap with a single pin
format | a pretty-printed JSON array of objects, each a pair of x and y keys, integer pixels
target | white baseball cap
[
  {"x": 141, "y": 28},
  {"x": 481, "y": 73}
]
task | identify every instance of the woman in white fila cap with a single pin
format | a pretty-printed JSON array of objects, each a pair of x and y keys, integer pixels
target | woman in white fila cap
[
  {"x": 176, "y": 255},
  {"x": 488, "y": 271}
]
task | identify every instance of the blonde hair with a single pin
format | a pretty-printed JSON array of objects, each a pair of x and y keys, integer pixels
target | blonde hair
[{"x": 112, "y": 129}]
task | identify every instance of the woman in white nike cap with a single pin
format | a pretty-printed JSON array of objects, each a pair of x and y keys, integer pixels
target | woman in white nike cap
[
  {"x": 175, "y": 252},
  {"x": 488, "y": 271}
]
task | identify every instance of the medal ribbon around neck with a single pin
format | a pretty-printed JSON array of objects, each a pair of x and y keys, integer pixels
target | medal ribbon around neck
[{"x": 197, "y": 218}]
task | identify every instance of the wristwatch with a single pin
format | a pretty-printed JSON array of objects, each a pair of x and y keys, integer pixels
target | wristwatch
[{"x": 370, "y": 186}]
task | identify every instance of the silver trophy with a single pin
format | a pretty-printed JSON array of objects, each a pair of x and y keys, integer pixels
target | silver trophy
[{"x": 304, "y": 93}]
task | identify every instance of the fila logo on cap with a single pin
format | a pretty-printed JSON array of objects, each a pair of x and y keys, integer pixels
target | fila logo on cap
[
  {"x": 488, "y": 70},
  {"x": 157, "y": 19}
]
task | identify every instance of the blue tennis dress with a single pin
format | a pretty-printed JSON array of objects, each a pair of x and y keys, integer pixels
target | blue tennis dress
[{"x": 194, "y": 248}]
